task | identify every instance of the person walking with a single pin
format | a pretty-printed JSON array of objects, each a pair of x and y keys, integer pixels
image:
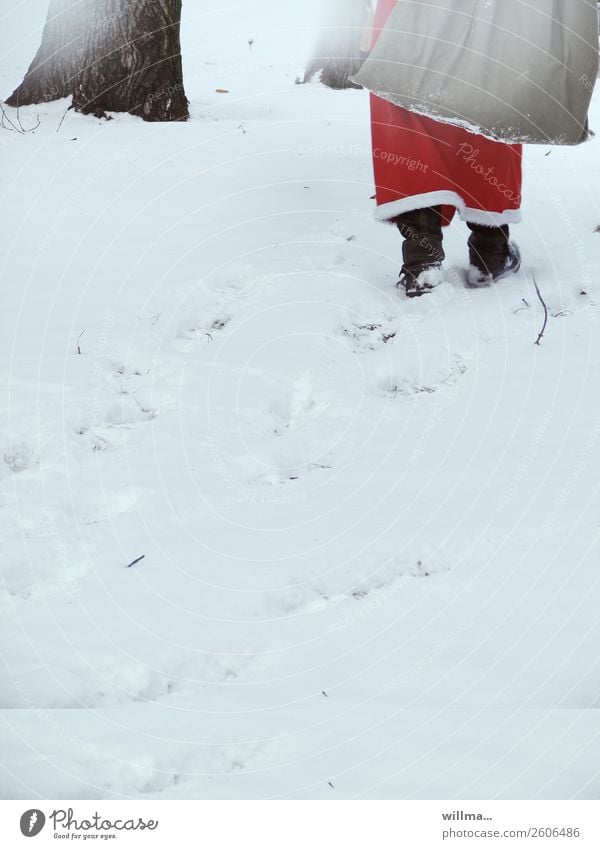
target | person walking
[{"x": 426, "y": 171}]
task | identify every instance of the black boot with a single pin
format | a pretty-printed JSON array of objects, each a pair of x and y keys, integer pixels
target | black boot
[
  {"x": 422, "y": 250},
  {"x": 492, "y": 254}
]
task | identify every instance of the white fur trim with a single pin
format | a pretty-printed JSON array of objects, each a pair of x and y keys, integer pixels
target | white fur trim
[{"x": 471, "y": 216}]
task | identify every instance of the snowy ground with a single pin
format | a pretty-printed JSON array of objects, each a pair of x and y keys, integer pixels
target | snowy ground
[{"x": 370, "y": 525}]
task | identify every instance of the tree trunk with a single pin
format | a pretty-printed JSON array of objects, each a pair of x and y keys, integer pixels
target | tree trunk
[
  {"x": 337, "y": 55},
  {"x": 111, "y": 56}
]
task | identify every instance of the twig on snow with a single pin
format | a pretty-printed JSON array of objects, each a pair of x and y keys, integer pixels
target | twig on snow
[
  {"x": 526, "y": 307},
  {"x": 63, "y": 117},
  {"x": 78, "y": 341},
  {"x": 135, "y": 562},
  {"x": 12, "y": 127},
  {"x": 21, "y": 127},
  {"x": 543, "y": 303}
]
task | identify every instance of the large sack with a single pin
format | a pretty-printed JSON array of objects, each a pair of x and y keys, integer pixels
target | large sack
[{"x": 512, "y": 70}]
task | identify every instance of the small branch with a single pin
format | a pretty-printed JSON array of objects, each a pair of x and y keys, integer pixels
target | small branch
[
  {"x": 21, "y": 127},
  {"x": 13, "y": 128},
  {"x": 521, "y": 309},
  {"x": 135, "y": 562},
  {"x": 63, "y": 117},
  {"x": 78, "y": 341},
  {"x": 543, "y": 302}
]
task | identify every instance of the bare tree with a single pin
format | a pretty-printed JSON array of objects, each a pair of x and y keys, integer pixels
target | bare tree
[
  {"x": 110, "y": 56},
  {"x": 337, "y": 53}
]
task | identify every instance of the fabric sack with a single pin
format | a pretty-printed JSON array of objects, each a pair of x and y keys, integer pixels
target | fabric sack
[{"x": 512, "y": 70}]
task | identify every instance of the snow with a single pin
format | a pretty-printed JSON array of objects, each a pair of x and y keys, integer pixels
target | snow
[{"x": 370, "y": 524}]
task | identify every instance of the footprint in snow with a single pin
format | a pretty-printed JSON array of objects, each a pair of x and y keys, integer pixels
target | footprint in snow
[
  {"x": 214, "y": 303},
  {"x": 127, "y": 680},
  {"x": 357, "y": 583},
  {"x": 128, "y": 411},
  {"x": 16, "y": 456},
  {"x": 367, "y": 336},
  {"x": 193, "y": 330}
]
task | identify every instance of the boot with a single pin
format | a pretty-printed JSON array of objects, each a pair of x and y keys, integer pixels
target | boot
[
  {"x": 422, "y": 250},
  {"x": 492, "y": 255},
  {"x": 419, "y": 280}
]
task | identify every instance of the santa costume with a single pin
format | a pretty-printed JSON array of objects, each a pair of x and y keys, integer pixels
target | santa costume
[{"x": 426, "y": 171}]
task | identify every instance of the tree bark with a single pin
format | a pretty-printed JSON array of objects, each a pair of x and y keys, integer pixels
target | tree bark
[
  {"x": 337, "y": 54},
  {"x": 111, "y": 56}
]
